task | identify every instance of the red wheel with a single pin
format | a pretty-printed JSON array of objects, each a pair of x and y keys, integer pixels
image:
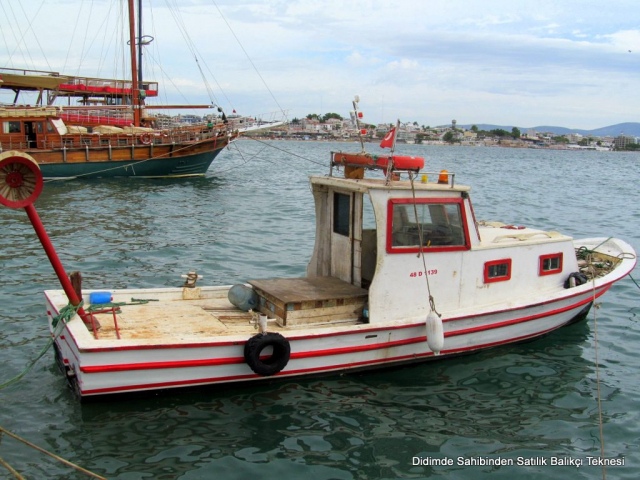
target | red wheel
[{"x": 20, "y": 179}]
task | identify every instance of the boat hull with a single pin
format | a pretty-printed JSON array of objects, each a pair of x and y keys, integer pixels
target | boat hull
[
  {"x": 100, "y": 367},
  {"x": 193, "y": 165}
]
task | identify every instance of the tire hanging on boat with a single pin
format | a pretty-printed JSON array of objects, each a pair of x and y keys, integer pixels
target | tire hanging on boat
[{"x": 275, "y": 362}]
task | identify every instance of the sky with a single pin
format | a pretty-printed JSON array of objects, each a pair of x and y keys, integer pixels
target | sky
[{"x": 565, "y": 63}]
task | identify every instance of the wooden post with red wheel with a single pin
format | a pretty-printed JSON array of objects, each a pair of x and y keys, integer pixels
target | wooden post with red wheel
[{"x": 20, "y": 185}]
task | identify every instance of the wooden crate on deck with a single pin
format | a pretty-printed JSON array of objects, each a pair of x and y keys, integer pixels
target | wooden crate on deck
[{"x": 308, "y": 300}]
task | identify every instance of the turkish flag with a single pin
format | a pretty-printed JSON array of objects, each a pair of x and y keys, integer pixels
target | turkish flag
[{"x": 387, "y": 141}]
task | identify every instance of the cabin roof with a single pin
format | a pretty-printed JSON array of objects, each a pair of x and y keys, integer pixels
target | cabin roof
[{"x": 366, "y": 184}]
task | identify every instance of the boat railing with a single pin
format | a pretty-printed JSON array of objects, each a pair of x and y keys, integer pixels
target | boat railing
[
  {"x": 105, "y": 86},
  {"x": 97, "y": 140},
  {"x": 99, "y": 116}
]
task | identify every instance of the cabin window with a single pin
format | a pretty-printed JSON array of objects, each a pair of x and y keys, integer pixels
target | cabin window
[
  {"x": 341, "y": 213},
  {"x": 550, "y": 264},
  {"x": 497, "y": 270},
  {"x": 10, "y": 127},
  {"x": 436, "y": 224}
]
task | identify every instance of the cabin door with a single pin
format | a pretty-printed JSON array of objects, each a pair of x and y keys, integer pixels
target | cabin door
[
  {"x": 31, "y": 130},
  {"x": 346, "y": 237}
]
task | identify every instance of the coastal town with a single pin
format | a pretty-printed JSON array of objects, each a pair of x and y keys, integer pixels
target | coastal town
[{"x": 333, "y": 127}]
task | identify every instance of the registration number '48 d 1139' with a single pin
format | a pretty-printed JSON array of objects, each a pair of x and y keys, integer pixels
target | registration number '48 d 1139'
[{"x": 420, "y": 274}]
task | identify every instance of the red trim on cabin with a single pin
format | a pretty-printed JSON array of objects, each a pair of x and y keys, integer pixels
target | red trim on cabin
[
  {"x": 475, "y": 222},
  {"x": 426, "y": 201},
  {"x": 550, "y": 271},
  {"x": 497, "y": 278}
]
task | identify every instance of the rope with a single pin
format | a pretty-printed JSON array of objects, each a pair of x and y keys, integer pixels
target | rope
[
  {"x": 247, "y": 55},
  {"x": 432, "y": 302},
  {"x": 134, "y": 301},
  {"x": 597, "y": 365},
  {"x": 52, "y": 455},
  {"x": 245, "y": 159},
  {"x": 11, "y": 470},
  {"x": 59, "y": 321},
  {"x": 66, "y": 313},
  {"x": 323, "y": 164}
]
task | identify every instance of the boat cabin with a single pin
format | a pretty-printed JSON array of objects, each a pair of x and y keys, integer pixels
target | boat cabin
[
  {"x": 400, "y": 242},
  {"x": 25, "y": 128}
]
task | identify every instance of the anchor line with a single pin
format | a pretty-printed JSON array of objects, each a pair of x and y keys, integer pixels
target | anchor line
[
  {"x": 52, "y": 455},
  {"x": 597, "y": 366}
]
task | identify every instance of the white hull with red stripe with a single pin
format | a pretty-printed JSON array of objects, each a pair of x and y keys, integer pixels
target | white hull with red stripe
[{"x": 159, "y": 348}]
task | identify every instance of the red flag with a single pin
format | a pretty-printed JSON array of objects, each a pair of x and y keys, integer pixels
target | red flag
[{"x": 387, "y": 141}]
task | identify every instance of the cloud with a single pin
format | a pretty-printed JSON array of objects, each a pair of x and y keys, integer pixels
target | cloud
[{"x": 496, "y": 61}]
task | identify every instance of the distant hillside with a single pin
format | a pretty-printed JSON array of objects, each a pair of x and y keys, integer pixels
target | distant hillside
[{"x": 628, "y": 128}]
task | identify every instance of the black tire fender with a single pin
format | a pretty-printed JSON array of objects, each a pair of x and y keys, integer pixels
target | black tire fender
[{"x": 275, "y": 362}]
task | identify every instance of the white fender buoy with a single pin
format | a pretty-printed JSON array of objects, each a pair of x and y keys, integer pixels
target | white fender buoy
[{"x": 435, "y": 332}]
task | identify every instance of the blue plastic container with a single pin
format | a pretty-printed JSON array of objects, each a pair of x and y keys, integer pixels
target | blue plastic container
[
  {"x": 96, "y": 298},
  {"x": 243, "y": 297}
]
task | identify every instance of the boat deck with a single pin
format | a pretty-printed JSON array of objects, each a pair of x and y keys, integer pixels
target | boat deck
[
  {"x": 174, "y": 315},
  {"x": 177, "y": 319}
]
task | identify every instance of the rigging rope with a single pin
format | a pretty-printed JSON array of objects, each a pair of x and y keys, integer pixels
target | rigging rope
[{"x": 248, "y": 57}]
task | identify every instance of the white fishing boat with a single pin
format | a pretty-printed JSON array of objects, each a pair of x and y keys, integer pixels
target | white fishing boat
[{"x": 401, "y": 272}]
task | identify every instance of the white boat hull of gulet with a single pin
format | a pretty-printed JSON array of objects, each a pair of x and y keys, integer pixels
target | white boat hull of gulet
[{"x": 173, "y": 342}]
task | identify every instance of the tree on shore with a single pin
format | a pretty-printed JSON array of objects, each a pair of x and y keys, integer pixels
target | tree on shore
[{"x": 449, "y": 137}]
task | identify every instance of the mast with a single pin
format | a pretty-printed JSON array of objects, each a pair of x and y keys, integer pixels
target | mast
[
  {"x": 140, "y": 41},
  {"x": 135, "y": 94}
]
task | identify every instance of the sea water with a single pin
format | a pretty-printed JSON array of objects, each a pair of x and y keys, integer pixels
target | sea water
[{"x": 524, "y": 411}]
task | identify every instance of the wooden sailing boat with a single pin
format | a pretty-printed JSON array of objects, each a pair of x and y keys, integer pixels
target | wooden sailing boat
[{"x": 116, "y": 139}]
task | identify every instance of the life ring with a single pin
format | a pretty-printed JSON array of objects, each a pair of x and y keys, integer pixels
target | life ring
[
  {"x": 145, "y": 139},
  {"x": 275, "y": 362}
]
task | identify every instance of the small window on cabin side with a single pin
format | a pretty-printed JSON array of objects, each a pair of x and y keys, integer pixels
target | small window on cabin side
[
  {"x": 341, "y": 213},
  {"x": 10, "y": 127},
  {"x": 550, "y": 264},
  {"x": 432, "y": 224},
  {"x": 497, "y": 270}
]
